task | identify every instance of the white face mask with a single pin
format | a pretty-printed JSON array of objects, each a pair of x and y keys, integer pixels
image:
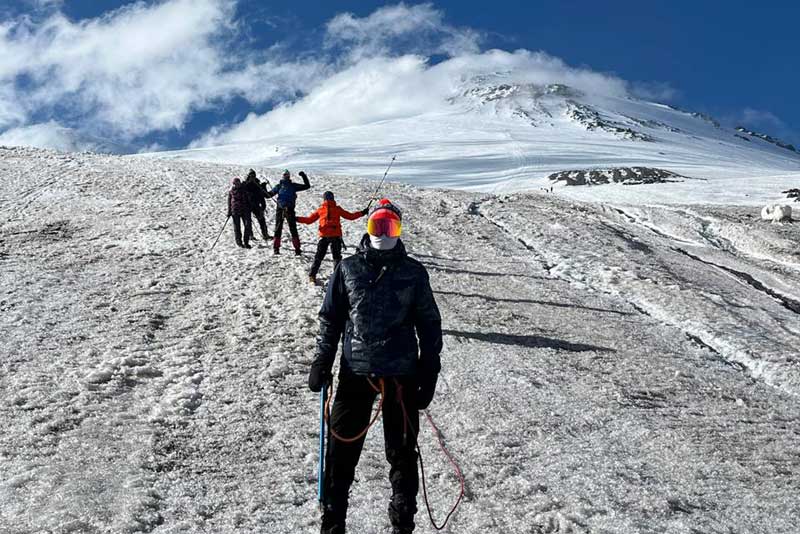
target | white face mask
[{"x": 383, "y": 242}]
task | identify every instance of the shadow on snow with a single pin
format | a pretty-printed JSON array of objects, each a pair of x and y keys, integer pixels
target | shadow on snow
[{"x": 536, "y": 342}]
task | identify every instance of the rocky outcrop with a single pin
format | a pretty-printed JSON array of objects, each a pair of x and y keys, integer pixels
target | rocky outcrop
[
  {"x": 702, "y": 116},
  {"x": 793, "y": 193},
  {"x": 591, "y": 120},
  {"x": 767, "y": 138},
  {"x": 656, "y": 125},
  {"x": 623, "y": 175}
]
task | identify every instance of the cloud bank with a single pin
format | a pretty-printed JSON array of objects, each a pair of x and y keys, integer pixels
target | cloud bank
[
  {"x": 148, "y": 68},
  {"x": 381, "y": 70},
  {"x": 140, "y": 69},
  {"x": 384, "y": 87}
]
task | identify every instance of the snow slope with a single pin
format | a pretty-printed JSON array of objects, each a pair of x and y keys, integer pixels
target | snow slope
[
  {"x": 495, "y": 133},
  {"x": 607, "y": 368}
]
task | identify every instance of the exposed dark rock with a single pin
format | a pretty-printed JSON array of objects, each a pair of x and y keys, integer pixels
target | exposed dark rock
[
  {"x": 793, "y": 193},
  {"x": 702, "y": 116},
  {"x": 650, "y": 123},
  {"x": 592, "y": 120},
  {"x": 624, "y": 175},
  {"x": 767, "y": 138},
  {"x": 485, "y": 91}
]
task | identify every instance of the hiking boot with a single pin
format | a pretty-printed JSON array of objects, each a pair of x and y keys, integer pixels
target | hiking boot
[
  {"x": 297, "y": 252},
  {"x": 276, "y": 251},
  {"x": 246, "y": 245},
  {"x": 397, "y": 530},
  {"x": 332, "y": 522}
]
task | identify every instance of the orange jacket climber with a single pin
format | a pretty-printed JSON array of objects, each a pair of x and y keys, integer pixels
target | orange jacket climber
[{"x": 329, "y": 218}]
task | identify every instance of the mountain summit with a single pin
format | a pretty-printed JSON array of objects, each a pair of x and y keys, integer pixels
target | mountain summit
[{"x": 501, "y": 132}]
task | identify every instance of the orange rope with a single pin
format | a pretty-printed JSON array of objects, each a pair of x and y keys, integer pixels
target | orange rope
[
  {"x": 459, "y": 474},
  {"x": 361, "y": 434}
]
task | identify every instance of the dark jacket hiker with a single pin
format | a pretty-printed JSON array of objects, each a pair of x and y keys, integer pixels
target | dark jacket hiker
[
  {"x": 286, "y": 190},
  {"x": 239, "y": 209},
  {"x": 380, "y": 303},
  {"x": 257, "y": 199}
]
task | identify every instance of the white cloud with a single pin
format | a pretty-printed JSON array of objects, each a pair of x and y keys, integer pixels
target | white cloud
[
  {"x": 148, "y": 67},
  {"x": 765, "y": 122},
  {"x": 654, "y": 91},
  {"x": 419, "y": 29},
  {"x": 139, "y": 69},
  {"x": 756, "y": 117},
  {"x": 55, "y": 136},
  {"x": 380, "y": 88}
]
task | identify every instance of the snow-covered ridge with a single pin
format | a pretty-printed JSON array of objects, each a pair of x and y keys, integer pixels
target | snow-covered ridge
[
  {"x": 767, "y": 138},
  {"x": 498, "y": 132}
]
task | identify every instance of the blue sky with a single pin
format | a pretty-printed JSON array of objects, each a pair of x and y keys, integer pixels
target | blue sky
[{"x": 734, "y": 60}]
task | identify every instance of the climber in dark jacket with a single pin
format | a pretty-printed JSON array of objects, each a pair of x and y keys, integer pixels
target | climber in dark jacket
[
  {"x": 380, "y": 303},
  {"x": 286, "y": 190},
  {"x": 258, "y": 204},
  {"x": 239, "y": 209}
]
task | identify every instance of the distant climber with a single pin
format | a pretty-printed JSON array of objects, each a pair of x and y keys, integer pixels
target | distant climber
[
  {"x": 286, "y": 190},
  {"x": 257, "y": 196},
  {"x": 380, "y": 301},
  {"x": 239, "y": 209},
  {"x": 330, "y": 231}
]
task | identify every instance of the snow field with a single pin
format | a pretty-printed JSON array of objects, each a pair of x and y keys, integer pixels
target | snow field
[
  {"x": 486, "y": 139},
  {"x": 595, "y": 378}
]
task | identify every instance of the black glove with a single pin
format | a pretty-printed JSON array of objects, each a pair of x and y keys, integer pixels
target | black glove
[
  {"x": 319, "y": 376},
  {"x": 365, "y": 211},
  {"x": 302, "y": 174},
  {"x": 425, "y": 391}
]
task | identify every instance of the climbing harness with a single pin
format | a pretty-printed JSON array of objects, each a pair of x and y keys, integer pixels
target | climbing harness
[{"x": 381, "y": 390}]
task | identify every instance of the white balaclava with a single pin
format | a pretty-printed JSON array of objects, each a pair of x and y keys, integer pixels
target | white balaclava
[{"x": 383, "y": 242}]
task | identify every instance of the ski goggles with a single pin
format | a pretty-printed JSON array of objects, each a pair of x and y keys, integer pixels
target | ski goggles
[{"x": 384, "y": 222}]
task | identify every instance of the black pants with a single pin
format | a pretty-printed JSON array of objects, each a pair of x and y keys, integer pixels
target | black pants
[
  {"x": 262, "y": 223},
  {"x": 238, "y": 221},
  {"x": 288, "y": 214},
  {"x": 352, "y": 411},
  {"x": 322, "y": 249}
]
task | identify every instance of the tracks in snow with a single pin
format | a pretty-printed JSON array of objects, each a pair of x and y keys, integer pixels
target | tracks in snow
[{"x": 642, "y": 278}]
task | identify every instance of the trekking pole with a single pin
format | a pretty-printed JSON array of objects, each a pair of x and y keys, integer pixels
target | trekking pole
[
  {"x": 220, "y": 233},
  {"x": 375, "y": 194},
  {"x": 321, "y": 473}
]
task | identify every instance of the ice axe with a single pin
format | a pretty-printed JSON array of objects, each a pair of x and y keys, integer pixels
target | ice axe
[{"x": 375, "y": 194}]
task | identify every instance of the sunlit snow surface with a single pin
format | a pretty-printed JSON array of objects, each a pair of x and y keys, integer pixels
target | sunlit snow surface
[
  {"x": 496, "y": 142},
  {"x": 608, "y": 367}
]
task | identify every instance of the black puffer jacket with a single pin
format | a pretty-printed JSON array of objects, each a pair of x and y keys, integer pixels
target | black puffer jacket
[
  {"x": 382, "y": 302},
  {"x": 256, "y": 196}
]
